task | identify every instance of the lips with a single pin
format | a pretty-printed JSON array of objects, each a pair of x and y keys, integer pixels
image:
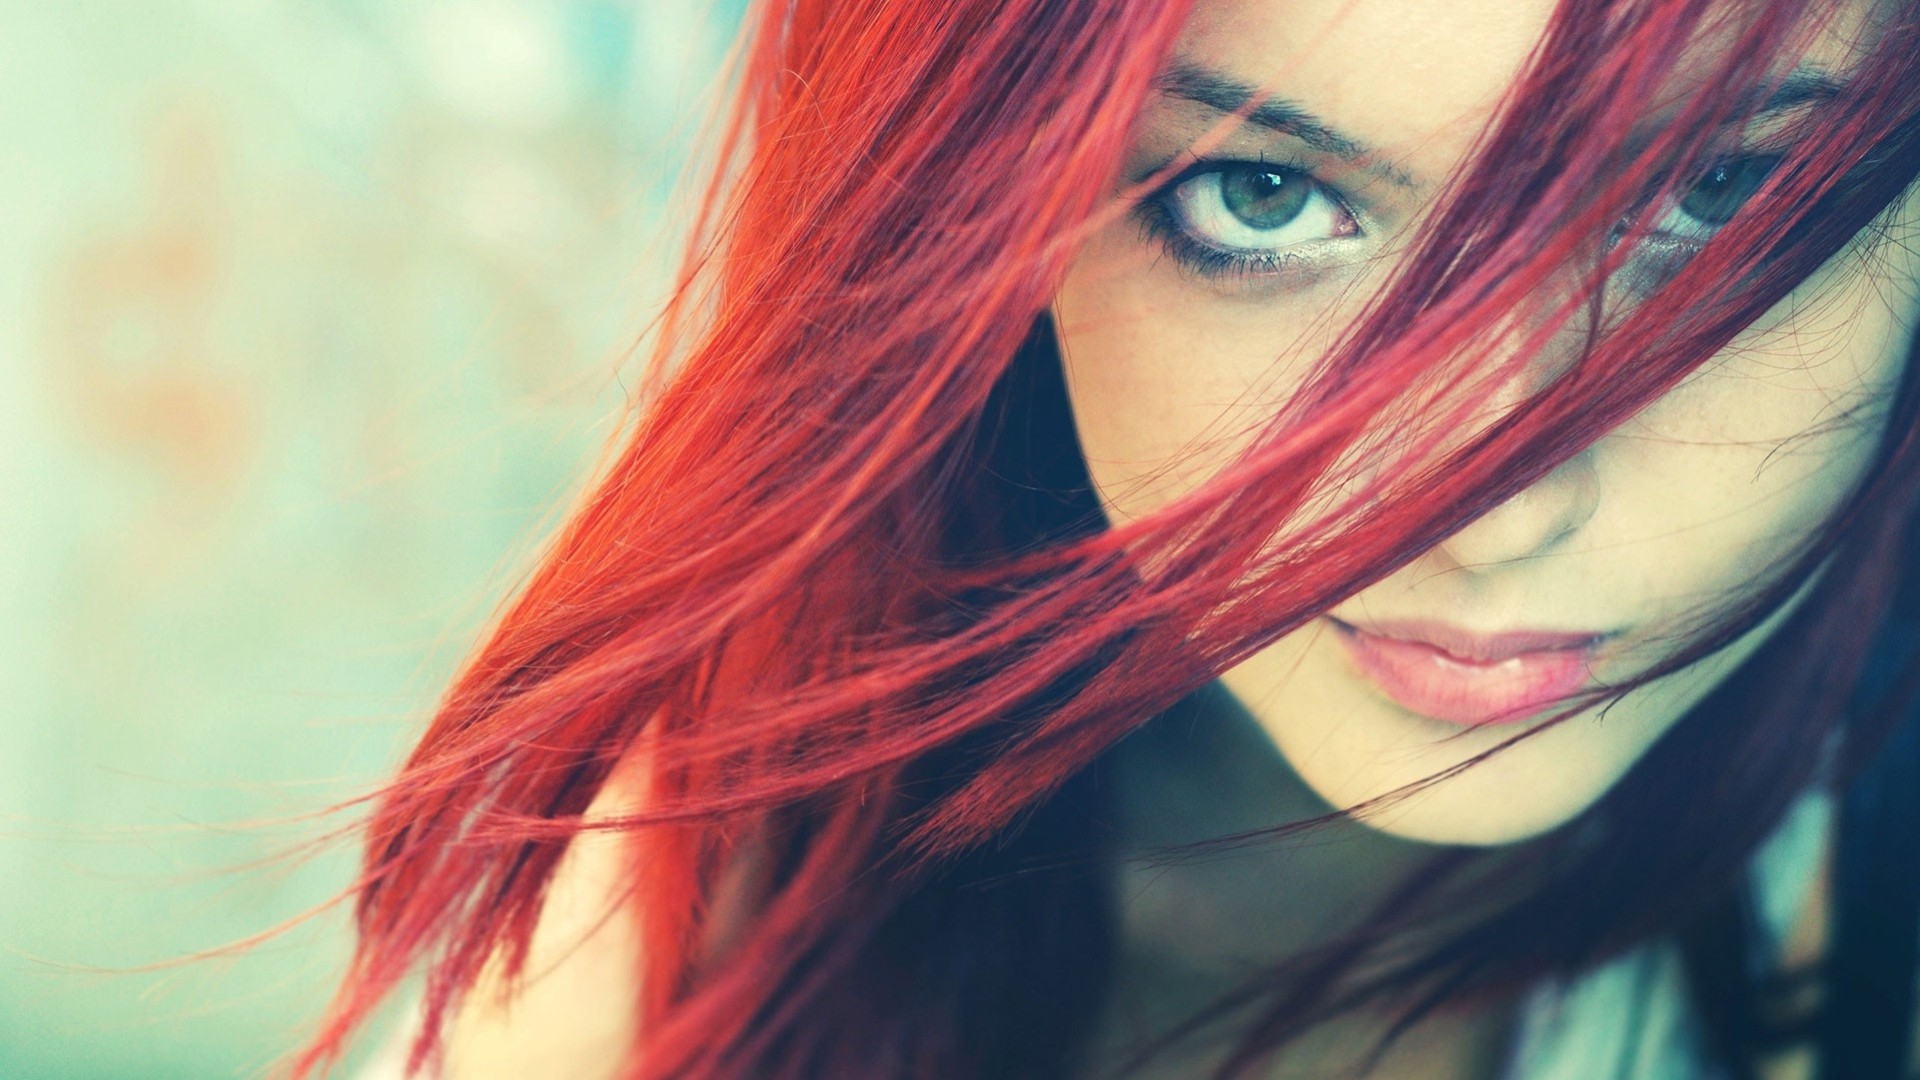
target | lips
[{"x": 1449, "y": 674}]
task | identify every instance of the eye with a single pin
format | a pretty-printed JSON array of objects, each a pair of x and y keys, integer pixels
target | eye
[
  {"x": 1257, "y": 210},
  {"x": 1681, "y": 222},
  {"x": 1699, "y": 211}
]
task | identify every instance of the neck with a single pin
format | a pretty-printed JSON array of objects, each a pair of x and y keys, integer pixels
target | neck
[
  {"x": 1203, "y": 771},
  {"x": 1189, "y": 929}
]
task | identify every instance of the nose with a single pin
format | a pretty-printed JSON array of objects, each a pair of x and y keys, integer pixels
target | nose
[
  {"x": 1544, "y": 515},
  {"x": 1532, "y": 523}
]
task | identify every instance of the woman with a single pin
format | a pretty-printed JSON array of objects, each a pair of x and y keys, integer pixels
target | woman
[{"x": 1240, "y": 538}]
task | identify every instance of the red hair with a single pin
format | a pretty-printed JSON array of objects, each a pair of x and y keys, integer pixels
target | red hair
[{"x": 843, "y": 605}]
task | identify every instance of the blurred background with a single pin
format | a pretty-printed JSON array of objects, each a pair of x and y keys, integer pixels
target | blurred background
[{"x": 312, "y": 312}]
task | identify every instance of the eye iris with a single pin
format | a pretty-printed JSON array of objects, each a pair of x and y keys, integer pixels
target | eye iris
[
  {"x": 1263, "y": 198},
  {"x": 1718, "y": 195}
]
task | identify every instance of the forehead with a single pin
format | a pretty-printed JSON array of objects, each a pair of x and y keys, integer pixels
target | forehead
[
  {"x": 1416, "y": 80},
  {"x": 1396, "y": 69}
]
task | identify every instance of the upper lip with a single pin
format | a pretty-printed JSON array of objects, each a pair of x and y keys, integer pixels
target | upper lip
[{"x": 1473, "y": 646}]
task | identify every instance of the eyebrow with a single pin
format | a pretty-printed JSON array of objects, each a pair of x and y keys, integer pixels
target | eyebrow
[
  {"x": 1804, "y": 85},
  {"x": 1225, "y": 94}
]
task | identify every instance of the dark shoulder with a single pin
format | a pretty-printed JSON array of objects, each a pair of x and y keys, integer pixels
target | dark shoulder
[{"x": 1803, "y": 953}]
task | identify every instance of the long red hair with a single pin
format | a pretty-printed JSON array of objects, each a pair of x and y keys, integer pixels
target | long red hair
[{"x": 843, "y": 607}]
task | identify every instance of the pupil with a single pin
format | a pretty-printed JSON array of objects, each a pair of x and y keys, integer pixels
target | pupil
[
  {"x": 1724, "y": 189},
  {"x": 1265, "y": 199}
]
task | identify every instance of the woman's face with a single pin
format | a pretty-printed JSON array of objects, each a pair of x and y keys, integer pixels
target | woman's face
[{"x": 1176, "y": 332}]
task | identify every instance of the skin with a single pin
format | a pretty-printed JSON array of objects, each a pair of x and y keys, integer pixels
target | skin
[
  {"x": 1689, "y": 503},
  {"x": 1691, "y": 500},
  {"x": 1686, "y": 503}
]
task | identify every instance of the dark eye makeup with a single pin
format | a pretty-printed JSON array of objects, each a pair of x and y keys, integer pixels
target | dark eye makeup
[
  {"x": 1232, "y": 218},
  {"x": 1673, "y": 228},
  {"x": 1237, "y": 219}
]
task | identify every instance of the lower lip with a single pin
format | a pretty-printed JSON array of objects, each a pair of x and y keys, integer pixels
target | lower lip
[{"x": 1440, "y": 686}]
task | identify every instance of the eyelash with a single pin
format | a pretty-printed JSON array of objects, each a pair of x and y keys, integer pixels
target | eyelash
[
  {"x": 1661, "y": 251},
  {"x": 1161, "y": 223}
]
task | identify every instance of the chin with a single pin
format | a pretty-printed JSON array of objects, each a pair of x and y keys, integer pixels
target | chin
[
  {"x": 1350, "y": 745},
  {"x": 1470, "y": 818},
  {"x": 1521, "y": 792}
]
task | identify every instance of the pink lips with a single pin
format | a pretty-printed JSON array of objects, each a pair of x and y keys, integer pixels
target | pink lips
[{"x": 1449, "y": 674}]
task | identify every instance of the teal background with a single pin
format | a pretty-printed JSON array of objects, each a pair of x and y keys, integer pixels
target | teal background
[{"x": 313, "y": 313}]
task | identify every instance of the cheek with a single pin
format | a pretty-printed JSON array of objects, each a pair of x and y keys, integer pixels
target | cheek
[
  {"x": 1762, "y": 445},
  {"x": 1700, "y": 494},
  {"x": 1169, "y": 380}
]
